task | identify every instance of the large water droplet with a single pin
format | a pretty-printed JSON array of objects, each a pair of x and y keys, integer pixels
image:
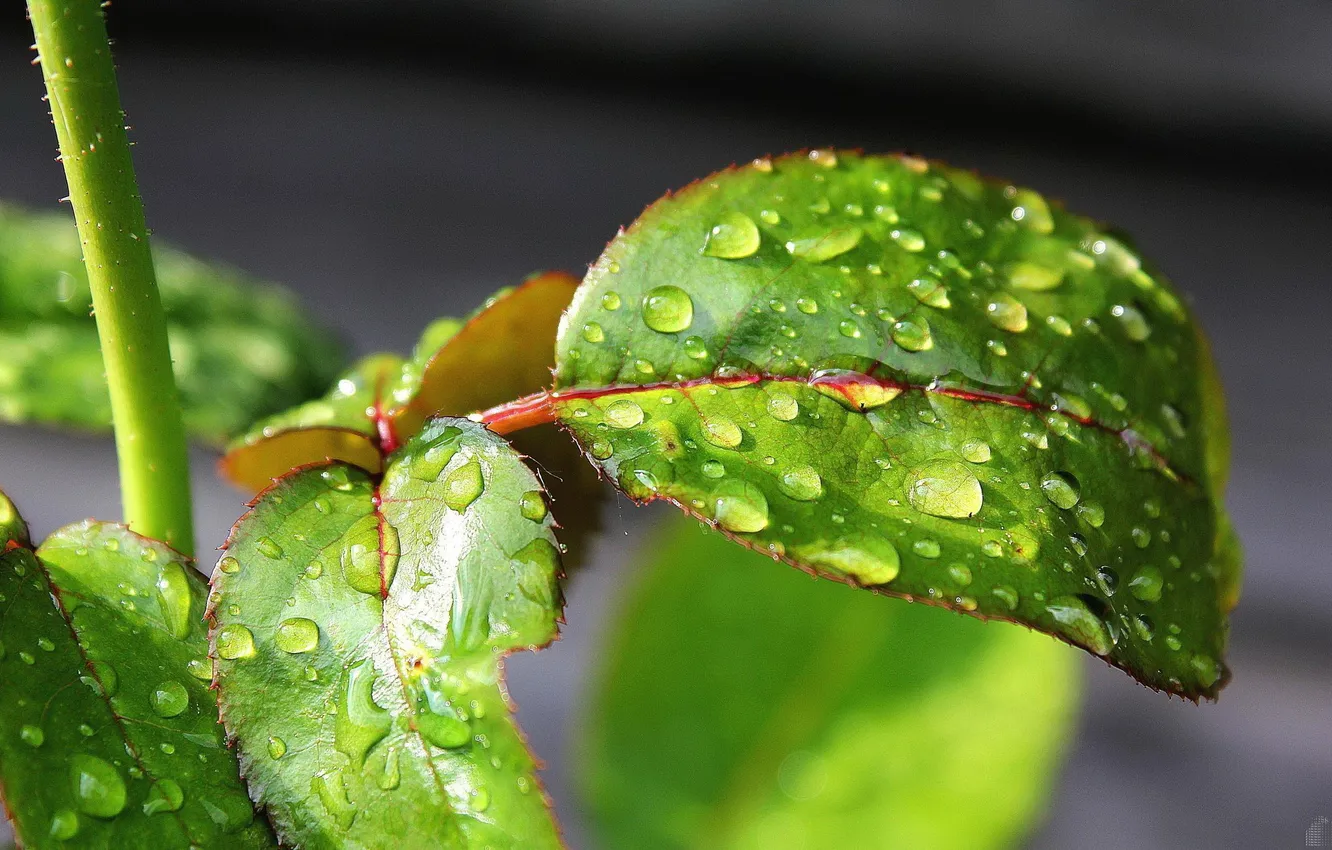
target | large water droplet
[
  {"x": 853, "y": 390},
  {"x": 165, "y": 795},
  {"x": 443, "y": 730},
  {"x": 1061, "y": 489},
  {"x": 532, "y": 505},
  {"x": 593, "y": 333},
  {"x": 1132, "y": 321},
  {"x": 722, "y": 432},
  {"x": 296, "y": 635},
  {"x": 976, "y": 451},
  {"x": 908, "y": 239},
  {"x": 802, "y": 483},
  {"x": 463, "y": 485},
  {"x": 1146, "y": 584},
  {"x": 31, "y": 735},
  {"x": 436, "y": 454},
  {"x": 945, "y": 488},
  {"x": 624, "y": 413},
  {"x": 64, "y": 825},
  {"x": 913, "y": 335},
  {"x": 173, "y": 597},
  {"x": 229, "y": 565},
  {"x": 360, "y": 723},
  {"x": 825, "y": 246},
  {"x": 1007, "y": 313},
  {"x": 98, "y": 788},
  {"x": 930, "y": 292},
  {"x": 1080, "y": 624},
  {"x": 1092, "y": 513},
  {"x": 668, "y": 309},
  {"x": 1033, "y": 277},
  {"x": 169, "y": 699},
  {"x": 268, "y": 547},
  {"x": 870, "y": 561},
  {"x": 1007, "y": 596},
  {"x": 331, "y": 793},
  {"x": 364, "y": 566},
  {"x": 234, "y": 641},
  {"x": 783, "y": 407},
  {"x": 733, "y": 236},
  {"x": 741, "y": 507},
  {"x": 277, "y": 748}
]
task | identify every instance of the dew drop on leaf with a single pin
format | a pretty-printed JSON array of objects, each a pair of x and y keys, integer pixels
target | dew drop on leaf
[
  {"x": 360, "y": 723},
  {"x": 722, "y": 432},
  {"x": 1080, "y": 624},
  {"x": 1007, "y": 313},
  {"x": 1146, "y": 584},
  {"x": 463, "y": 485},
  {"x": 668, "y": 309},
  {"x": 165, "y": 795},
  {"x": 869, "y": 562},
  {"x": 713, "y": 469},
  {"x": 1061, "y": 489},
  {"x": 277, "y": 748},
  {"x": 913, "y": 335},
  {"x": 976, "y": 451},
  {"x": 98, "y": 787},
  {"x": 296, "y": 635},
  {"x": 443, "y": 730},
  {"x": 268, "y": 547},
  {"x": 31, "y": 735},
  {"x": 173, "y": 597},
  {"x": 624, "y": 414},
  {"x": 235, "y": 641},
  {"x": 739, "y": 506},
  {"x": 926, "y": 547},
  {"x": 64, "y": 825},
  {"x": 825, "y": 246},
  {"x": 945, "y": 488},
  {"x": 532, "y": 505},
  {"x": 229, "y": 565},
  {"x": 783, "y": 407},
  {"x": 733, "y": 236},
  {"x": 593, "y": 333},
  {"x": 169, "y": 699},
  {"x": 1132, "y": 321},
  {"x": 1006, "y": 595},
  {"x": 802, "y": 483}
]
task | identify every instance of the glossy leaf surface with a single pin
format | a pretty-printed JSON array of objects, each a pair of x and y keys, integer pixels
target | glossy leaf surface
[
  {"x": 241, "y": 349},
  {"x": 746, "y": 707},
  {"x": 893, "y": 373},
  {"x": 359, "y": 629},
  {"x": 108, "y": 732},
  {"x": 502, "y": 352}
]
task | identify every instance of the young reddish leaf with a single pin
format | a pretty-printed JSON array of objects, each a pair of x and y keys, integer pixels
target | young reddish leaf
[
  {"x": 241, "y": 350},
  {"x": 359, "y": 626},
  {"x": 809, "y": 715},
  {"x": 108, "y": 732},
  {"x": 893, "y": 373}
]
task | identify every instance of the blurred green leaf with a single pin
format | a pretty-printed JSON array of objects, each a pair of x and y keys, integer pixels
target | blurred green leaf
[
  {"x": 896, "y": 374},
  {"x": 241, "y": 349},
  {"x": 359, "y": 626},
  {"x": 741, "y": 706},
  {"x": 108, "y": 731}
]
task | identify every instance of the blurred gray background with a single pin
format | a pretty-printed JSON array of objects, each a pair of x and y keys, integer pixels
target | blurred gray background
[{"x": 394, "y": 161}]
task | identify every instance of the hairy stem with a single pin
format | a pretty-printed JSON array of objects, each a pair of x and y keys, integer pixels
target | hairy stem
[{"x": 80, "y": 78}]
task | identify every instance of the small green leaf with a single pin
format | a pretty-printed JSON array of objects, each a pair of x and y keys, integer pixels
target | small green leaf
[
  {"x": 359, "y": 626},
  {"x": 501, "y": 352},
  {"x": 746, "y": 707},
  {"x": 241, "y": 350},
  {"x": 108, "y": 732},
  {"x": 917, "y": 376}
]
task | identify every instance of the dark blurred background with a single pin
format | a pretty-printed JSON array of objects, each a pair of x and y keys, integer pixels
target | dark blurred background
[{"x": 394, "y": 161}]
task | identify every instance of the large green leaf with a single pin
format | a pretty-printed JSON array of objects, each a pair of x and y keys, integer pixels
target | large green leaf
[
  {"x": 746, "y": 707},
  {"x": 241, "y": 350},
  {"x": 108, "y": 732},
  {"x": 893, "y": 373},
  {"x": 359, "y": 628}
]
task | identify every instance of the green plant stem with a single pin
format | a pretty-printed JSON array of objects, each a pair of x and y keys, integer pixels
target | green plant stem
[{"x": 94, "y": 148}]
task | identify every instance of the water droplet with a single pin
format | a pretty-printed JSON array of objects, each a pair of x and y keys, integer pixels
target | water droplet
[
  {"x": 926, "y": 548},
  {"x": 1132, "y": 321},
  {"x": 169, "y": 699},
  {"x": 1146, "y": 584},
  {"x": 532, "y": 505},
  {"x": 1007, "y": 596},
  {"x": 98, "y": 788},
  {"x": 976, "y": 452},
  {"x": 834, "y": 243},
  {"x": 1107, "y": 580},
  {"x": 173, "y": 598},
  {"x": 783, "y": 407},
  {"x": 31, "y": 735},
  {"x": 1207, "y": 669},
  {"x": 770, "y": 217},
  {"x": 1007, "y": 313},
  {"x": 908, "y": 239},
  {"x": 611, "y": 301},
  {"x": 913, "y": 335},
  {"x": 722, "y": 432},
  {"x": 824, "y": 157},
  {"x": 313, "y": 570},
  {"x": 463, "y": 485},
  {"x": 624, "y": 413},
  {"x": 602, "y": 449},
  {"x": 853, "y": 390},
  {"x": 930, "y": 292},
  {"x": 1142, "y": 627},
  {"x": 234, "y": 642},
  {"x": 392, "y": 776},
  {"x": 849, "y": 329},
  {"x": 296, "y": 635},
  {"x": 945, "y": 488},
  {"x": 871, "y": 561},
  {"x": 802, "y": 483},
  {"x": 695, "y": 348},
  {"x": 45, "y": 645},
  {"x": 165, "y": 795},
  {"x": 808, "y": 306},
  {"x": 1142, "y": 538},
  {"x": 960, "y": 573},
  {"x": 64, "y": 825},
  {"x": 713, "y": 469},
  {"x": 1034, "y": 277},
  {"x": 277, "y": 748},
  {"x": 1092, "y": 513},
  {"x": 733, "y": 236},
  {"x": 1059, "y": 325},
  {"x": 229, "y": 565},
  {"x": 443, "y": 730},
  {"x": 1030, "y": 210},
  {"x": 1080, "y": 624},
  {"x": 740, "y": 506},
  {"x": 668, "y": 309},
  {"x": 1061, "y": 489},
  {"x": 593, "y": 333},
  {"x": 333, "y": 796},
  {"x": 268, "y": 547},
  {"x": 360, "y": 723}
]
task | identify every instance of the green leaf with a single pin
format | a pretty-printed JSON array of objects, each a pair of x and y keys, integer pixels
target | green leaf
[
  {"x": 241, "y": 349},
  {"x": 746, "y": 707},
  {"x": 108, "y": 732},
  {"x": 893, "y": 373},
  {"x": 359, "y": 626}
]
